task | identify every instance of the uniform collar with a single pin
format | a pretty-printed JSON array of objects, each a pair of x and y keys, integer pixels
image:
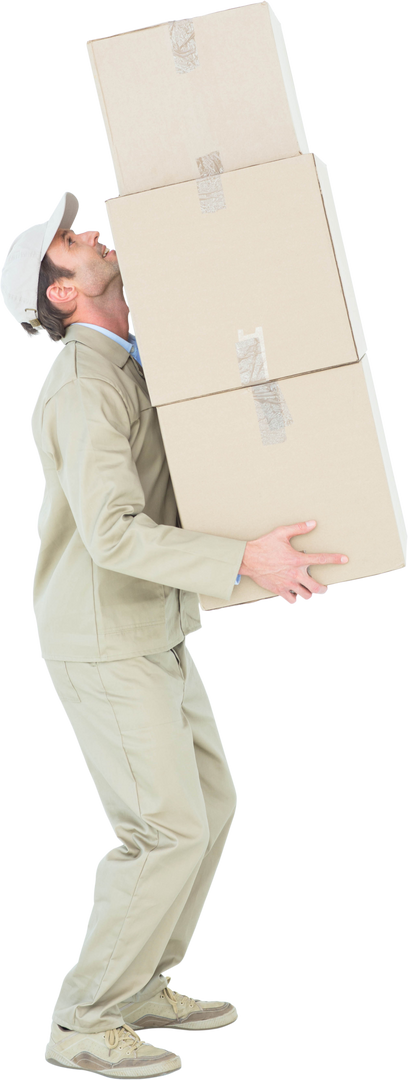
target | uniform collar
[{"x": 110, "y": 345}]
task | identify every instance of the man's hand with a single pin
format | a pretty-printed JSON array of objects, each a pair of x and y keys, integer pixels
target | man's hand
[{"x": 274, "y": 564}]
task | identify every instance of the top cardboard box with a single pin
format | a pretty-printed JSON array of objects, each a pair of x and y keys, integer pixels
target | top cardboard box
[{"x": 174, "y": 93}]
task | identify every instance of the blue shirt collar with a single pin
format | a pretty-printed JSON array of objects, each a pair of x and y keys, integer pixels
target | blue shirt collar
[{"x": 130, "y": 345}]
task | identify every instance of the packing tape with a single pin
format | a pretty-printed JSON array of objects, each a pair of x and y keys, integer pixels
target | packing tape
[
  {"x": 271, "y": 408},
  {"x": 272, "y": 412},
  {"x": 183, "y": 45},
  {"x": 250, "y": 350},
  {"x": 209, "y": 185}
]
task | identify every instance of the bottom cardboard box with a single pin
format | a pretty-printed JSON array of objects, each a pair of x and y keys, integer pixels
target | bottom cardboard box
[{"x": 307, "y": 447}]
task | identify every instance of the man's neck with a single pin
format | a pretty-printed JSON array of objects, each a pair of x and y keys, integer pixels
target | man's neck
[{"x": 117, "y": 321}]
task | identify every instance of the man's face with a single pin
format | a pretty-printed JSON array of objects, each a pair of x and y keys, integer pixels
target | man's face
[{"x": 95, "y": 267}]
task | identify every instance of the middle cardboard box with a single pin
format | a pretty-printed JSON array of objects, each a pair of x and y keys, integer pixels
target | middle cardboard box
[
  {"x": 236, "y": 279},
  {"x": 252, "y": 349}
]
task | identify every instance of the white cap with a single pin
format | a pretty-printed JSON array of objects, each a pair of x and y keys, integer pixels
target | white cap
[{"x": 21, "y": 265}]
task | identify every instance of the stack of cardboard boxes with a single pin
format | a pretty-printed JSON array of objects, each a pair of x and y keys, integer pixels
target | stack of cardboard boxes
[{"x": 240, "y": 294}]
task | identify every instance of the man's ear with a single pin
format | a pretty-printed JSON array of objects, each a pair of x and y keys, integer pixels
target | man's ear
[{"x": 60, "y": 294}]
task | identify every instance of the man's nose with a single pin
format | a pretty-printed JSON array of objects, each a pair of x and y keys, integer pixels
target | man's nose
[{"x": 90, "y": 238}]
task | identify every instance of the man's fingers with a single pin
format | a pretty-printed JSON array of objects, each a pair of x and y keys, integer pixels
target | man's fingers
[
  {"x": 302, "y": 590},
  {"x": 309, "y": 582},
  {"x": 287, "y": 595},
  {"x": 295, "y": 530},
  {"x": 323, "y": 557}
]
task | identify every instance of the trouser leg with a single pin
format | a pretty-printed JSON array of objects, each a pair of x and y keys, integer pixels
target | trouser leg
[
  {"x": 136, "y": 741},
  {"x": 220, "y": 802}
]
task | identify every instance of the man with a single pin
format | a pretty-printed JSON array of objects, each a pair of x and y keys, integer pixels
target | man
[{"x": 115, "y": 594}]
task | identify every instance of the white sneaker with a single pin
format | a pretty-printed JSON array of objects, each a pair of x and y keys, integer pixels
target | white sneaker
[{"x": 117, "y": 1052}]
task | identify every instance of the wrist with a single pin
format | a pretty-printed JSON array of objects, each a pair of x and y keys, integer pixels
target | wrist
[{"x": 246, "y": 565}]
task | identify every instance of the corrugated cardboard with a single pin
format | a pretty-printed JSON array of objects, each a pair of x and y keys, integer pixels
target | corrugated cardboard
[
  {"x": 272, "y": 258},
  {"x": 240, "y": 293},
  {"x": 175, "y": 92},
  {"x": 331, "y": 464}
]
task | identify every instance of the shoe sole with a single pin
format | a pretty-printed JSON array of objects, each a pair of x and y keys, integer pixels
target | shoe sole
[
  {"x": 194, "y": 1025},
  {"x": 160, "y": 1069},
  {"x": 186, "y": 1030},
  {"x": 111, "y": 1076}
]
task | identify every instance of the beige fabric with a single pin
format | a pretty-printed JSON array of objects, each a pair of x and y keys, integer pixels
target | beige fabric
[
  {"x": 147, "y": 731},
  {"x": 115, "y": 576}
]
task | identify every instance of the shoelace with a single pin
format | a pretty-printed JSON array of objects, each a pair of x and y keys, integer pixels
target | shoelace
[
  {"x": 176, "y": 999},
  {"x": 122, "y": 1038}
]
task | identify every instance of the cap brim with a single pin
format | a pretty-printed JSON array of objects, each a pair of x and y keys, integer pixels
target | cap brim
[{"x": 62, "y": 218}]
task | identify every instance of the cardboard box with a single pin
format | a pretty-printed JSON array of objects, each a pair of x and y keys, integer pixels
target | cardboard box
[
  {"x": 270, "y": 265},
  {"x": 173, "y": 93},
  {"x": 312, "y": 446},
  {"x": 240, "y": 293}
]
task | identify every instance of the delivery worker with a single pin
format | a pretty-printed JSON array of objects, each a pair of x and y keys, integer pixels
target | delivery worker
[{"x": 115, "y": 594}]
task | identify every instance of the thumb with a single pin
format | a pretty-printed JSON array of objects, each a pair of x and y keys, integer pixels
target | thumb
[{"x": 296, "y": 530}]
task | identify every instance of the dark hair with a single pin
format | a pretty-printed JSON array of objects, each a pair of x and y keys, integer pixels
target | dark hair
[{"x": 50, "y": 318}]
